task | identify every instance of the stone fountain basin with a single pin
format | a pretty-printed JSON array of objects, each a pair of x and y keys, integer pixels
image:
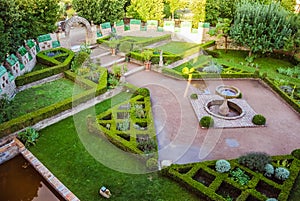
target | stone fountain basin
[
  {"x": 235, "y": 111},
  {"x": 227, "y": 91}
]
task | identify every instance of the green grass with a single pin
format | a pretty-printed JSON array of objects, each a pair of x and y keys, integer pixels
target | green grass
[
  {"x": 266, "y": 64},
  {"x": 73, "y": 155},
  {"x": 177, "y": 47},
  {"x": 43, "y": 95},
  {"x": 196, "y": 62},
  {"x": 137, "y": 39}
]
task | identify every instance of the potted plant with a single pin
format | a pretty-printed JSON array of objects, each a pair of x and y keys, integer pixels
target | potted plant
[
  {"x": 113, "y": 44},
  {"x": 147, "y": 54}
]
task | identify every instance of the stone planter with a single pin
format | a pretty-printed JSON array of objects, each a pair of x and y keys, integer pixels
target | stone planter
[{"x": 147, "y": 65}]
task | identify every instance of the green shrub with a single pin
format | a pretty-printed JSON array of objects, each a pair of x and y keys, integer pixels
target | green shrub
[
  {"x": 269, "y": 170},
  {"x": 152, "y": 164},
  {"x": 207, "y": 122},
  {"x": 296, "y": 153},
  {"x": 147, "y": 146},
  {"x": 142, "y": 91},
  {"x": 79, "y": 59},
  {"x": 255, "y": 160},
  {"x": 239, "y": 176},
  {"x": 194, "y": 96},
  {"x": 28, "y": 136},
  {"x": 240, "y": 95},
  {"x": 125, "y": 46},
  {"x": 222, "y": 166},
  {"x": 282, "y": 173},
  {"x": 213, "y": 67},
  {"x": 259, "y": 119}
]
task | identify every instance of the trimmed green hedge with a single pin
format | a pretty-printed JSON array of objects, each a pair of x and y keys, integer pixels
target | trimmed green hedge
[
  {"x": 44, "y": 73},
  {"x": 287, "y": 98},
  {"x": 167, "y": 57},
  {"x": 202, "y": 75},
  {"x": 51, "y": 61},
  {"x": 46, "y": 112},
  {"x": 111, "y": 117},
  {"x": 186, "y": 175},
  {"x": 82, "y": 82}
]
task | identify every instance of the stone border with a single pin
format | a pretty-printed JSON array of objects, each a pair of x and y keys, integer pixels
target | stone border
[
  {"x": 243, "y": 122},
  {"x": 42, "y": 170}
]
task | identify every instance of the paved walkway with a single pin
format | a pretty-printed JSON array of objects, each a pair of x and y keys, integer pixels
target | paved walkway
[{"x": 181, "y": 139}]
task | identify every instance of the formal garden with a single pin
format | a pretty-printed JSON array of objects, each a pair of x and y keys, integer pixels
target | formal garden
[{"x": 92, "y": 127}]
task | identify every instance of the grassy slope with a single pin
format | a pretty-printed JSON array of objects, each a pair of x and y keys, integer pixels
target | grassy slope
[
  {"x": 42, "y": 95},
  {"x": 61, "y": 148},
  {"x": 176, "y": 47},
  {"x": 266, "y": 64}
]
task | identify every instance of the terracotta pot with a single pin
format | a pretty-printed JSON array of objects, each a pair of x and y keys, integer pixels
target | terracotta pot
[{"x": 147, "y": 65}]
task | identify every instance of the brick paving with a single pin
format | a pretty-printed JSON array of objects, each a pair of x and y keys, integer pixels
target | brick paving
[{"x": 181, "y": 139}]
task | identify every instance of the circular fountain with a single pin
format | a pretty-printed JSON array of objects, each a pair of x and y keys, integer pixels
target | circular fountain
[{"x": 223, "y": 108}]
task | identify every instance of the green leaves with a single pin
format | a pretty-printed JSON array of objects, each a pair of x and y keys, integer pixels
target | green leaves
[{"x": 28, "y": 136}]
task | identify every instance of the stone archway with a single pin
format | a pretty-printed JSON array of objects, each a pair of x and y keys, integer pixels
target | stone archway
[{"x": 89, "y": 31}]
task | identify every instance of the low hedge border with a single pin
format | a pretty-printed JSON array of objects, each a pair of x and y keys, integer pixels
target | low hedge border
[
  {"x": 82, "y": 82},
  {"x": 293, "y": 103},
  {"x": 51, "y": 61},
  {"x": 47, "y": 72},
  {"x": 167, "y": 57},
  {"x": 33, "y": 117},
  {"x": 197, "y": 76},
  {"x": 96, "y": 125},
  {"x": 186, "y": 178}
]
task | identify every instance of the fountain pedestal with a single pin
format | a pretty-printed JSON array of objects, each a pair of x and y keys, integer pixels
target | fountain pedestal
[{"x": 224, "y": 109}]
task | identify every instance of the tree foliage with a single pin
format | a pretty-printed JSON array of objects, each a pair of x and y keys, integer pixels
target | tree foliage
[
  {"x": 10, "y": 27},
  {"x": 146, "y": 9},
  {"x": 198, "y": 10},
  {"x": 38, "y": 16},
  {"x": 175, "y": 5},
  {"x": 261, "y": 27},
  {"x": 100, "y": 11}
]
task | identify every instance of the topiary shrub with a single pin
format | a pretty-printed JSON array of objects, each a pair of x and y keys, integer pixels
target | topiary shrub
[
  {"x": 222, "y": 166},
  {"x": 206, "y": 122},
  {"x": 142, "y": 91},
  {"x": 259, "y": 119},
  {"x": 269, "y": 170},
  {"x": 296, "y": 153},
  {"x": 271, "y": 199},
  {"x": 255, "y": 160},
  {"x": 282, "y": 173},
  {"x": 194, "y": 96},
  {"x": 152, "y": 164}
]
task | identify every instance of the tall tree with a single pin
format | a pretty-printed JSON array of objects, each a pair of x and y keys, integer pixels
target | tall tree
[
  {"x": 38, "y": 16},
  {"x": 100, "y": 11},
  {"x": 146, "y": 9},
  {"x": 11, "y": 32},
  {"x": 260, "y": 27},
  {"x": 175, "y": 5},
  {"x": 198, "y": 9}
]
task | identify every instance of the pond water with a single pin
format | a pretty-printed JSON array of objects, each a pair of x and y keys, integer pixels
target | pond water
[{"x": 20, "y": 181}]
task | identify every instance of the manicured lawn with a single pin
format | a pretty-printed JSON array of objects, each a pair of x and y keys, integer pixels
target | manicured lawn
[
  {"x": 266, "y": 64},
  {"x": 196, "y": 62},
  {"x": 177, "y": 47},
  {"x": 39, "y": 66},
  {"x": 43, "y": 95},
  {"x": 84, "y": 162},
  {"x": 137, "y": 39}
]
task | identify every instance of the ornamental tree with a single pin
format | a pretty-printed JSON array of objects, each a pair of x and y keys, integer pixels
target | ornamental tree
[
  {"x": 175, "y": 5},
  {"x": 146, "y": 9},
  {"x": 261, "y": 28},
  {"x": 100, "y": 11}
]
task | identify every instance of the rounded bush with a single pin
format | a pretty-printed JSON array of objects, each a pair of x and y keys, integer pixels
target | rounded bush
[
  {"x": 194, "y": 96},
  {"x": 142, "y": 91},
  {"x": 240, "y": 95},
  {"x": 269, "y": 170},
  {"x": 151, "y": 164},
  {"x": 222, "y": 166},
  {"x": 296, "y": 153},
  {"x": 282, "y": 173},
  {"x": 259, "y": 119},
  {"x": 206, "y": 122},
  {"x": 255, "y": 160},
  {"x": 271, "y": 199}
]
